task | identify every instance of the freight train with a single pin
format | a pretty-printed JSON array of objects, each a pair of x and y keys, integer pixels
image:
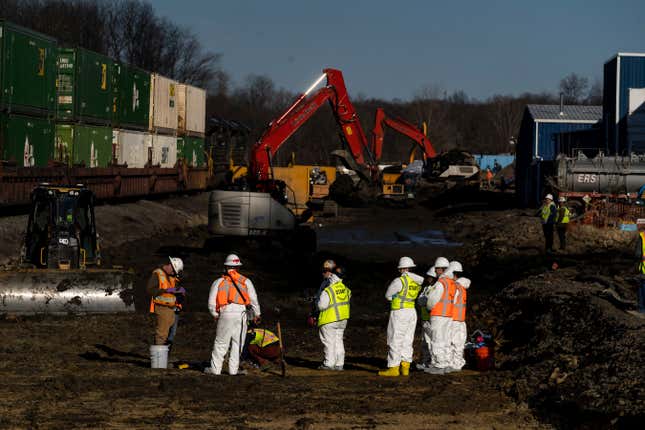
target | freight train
[{"x": 70, "y": 115}]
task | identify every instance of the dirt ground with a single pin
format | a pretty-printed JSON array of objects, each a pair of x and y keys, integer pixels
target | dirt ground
[{"x": 569, "y": 352}]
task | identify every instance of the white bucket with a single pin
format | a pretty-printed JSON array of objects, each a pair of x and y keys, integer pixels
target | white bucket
[{"x": 159, "y": 356}]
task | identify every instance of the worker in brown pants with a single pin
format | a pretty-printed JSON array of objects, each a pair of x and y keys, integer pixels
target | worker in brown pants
[
  {"x": 163, "y": 289},
  {"x": 263, "y": 346}
]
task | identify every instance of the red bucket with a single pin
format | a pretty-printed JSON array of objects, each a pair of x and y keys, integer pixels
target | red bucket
[{"x": 483, "y": 358}]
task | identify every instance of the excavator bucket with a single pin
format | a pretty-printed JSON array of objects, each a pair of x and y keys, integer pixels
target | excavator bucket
[{"x": 47, "y": 291}]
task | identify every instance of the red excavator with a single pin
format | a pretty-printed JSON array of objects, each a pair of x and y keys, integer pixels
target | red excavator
[{"x": 402, "y": 126}]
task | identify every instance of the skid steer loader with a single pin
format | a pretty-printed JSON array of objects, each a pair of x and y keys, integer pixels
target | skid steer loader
[{"x": 60, "y": 264}]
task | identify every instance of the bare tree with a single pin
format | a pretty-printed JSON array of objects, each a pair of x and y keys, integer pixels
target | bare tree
[
  {"x": 594, "y": 97},
  {"x": 574, "y": 87},
  {"x": 505, "y": 113}
]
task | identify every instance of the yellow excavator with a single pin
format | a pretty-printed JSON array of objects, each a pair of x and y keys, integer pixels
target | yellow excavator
[{"x": 60, "y": 264}]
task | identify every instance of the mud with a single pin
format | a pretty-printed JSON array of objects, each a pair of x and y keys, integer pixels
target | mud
[{"x": 71, "y": 372}]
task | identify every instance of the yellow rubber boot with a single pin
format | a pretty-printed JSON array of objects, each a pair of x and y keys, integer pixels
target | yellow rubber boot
[
  {"x": 392, "y": 371},
  {"x": 405, "y": 368}
]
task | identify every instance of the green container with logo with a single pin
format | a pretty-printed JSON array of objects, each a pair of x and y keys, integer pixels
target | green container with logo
[
  {"x": 84, "y": 145},
  {"x": 26, "y": 141},
  {"x": 27, "y": 71},
  {"x": 132, "y": 97},
  {"x": 191, "y": 150},
  {"x": 85, "y": 87}
]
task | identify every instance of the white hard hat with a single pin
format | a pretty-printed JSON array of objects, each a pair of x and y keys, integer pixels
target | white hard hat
[
  {"x": 406, "y": 263},
  {"x": 431, "y": 272},
  {"x": 177, "y": 265},
  {"x": 329, "y": 265},
  {"x": 455, "y": 266},
  {"x": 640, "y": 221},
  {"x": 464, "y": 282},
  {"x": 441, "y": 263},
  {"x": 232, "y": 260},
  {"x": 549, "y": 197},
  {"x": 562, "y": 199}
]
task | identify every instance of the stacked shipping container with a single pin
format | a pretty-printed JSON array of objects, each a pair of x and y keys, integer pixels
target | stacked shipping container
[{"x": 107, "y": 113}]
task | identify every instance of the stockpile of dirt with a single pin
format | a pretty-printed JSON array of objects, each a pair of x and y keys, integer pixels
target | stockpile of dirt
[
  {"x": 573, "y": 350},
  {"x": 568, "y": 337}
]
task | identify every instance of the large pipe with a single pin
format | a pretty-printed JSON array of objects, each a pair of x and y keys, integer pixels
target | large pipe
[
  {"x": 36, "y": 291},
  {"x": 605, "y": 175}
]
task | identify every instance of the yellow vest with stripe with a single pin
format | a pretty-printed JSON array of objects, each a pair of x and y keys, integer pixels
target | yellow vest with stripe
[
  {"x": 405, "y": 298},
  {"x": 338, "y": 309},
  {"x": 546, "y": 212},
  {"x": 566, "y": 214},
  {"x": 263, "y": 337},
  {"x": 641, "y": 267}
]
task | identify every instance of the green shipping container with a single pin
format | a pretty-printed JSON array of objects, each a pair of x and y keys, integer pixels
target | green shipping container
[
  {"x": 131, "y": 97},
  {"x": 26, "y": 141},
  {"x": 191, "y": 150},
  {"x": 85, "y": 86},
  {"x": 84, "y": 145},
  {"x": 27, "y": 71}
]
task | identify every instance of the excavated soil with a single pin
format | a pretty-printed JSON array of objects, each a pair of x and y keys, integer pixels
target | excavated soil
[{"x": 569, "y": 353}]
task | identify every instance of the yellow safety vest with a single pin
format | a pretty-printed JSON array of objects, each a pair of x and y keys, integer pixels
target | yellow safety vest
[
  {"x": 263, "y": 337},
  {"x": 338, "y": 309},
  {"x": 546, "y": 212},
  {"x": 566, "y": 214},
  {"x": 642, "y": 265},
  {"x": 405, "y": 298}
]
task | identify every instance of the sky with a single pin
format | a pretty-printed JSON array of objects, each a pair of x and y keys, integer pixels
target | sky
[{"x": 392, "y": 49}]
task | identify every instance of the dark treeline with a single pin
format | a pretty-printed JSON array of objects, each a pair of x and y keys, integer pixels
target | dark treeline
[{"x": 131, "y": 31}]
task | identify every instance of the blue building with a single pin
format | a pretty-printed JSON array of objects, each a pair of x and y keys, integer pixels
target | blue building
[
  {"x": 538, "y": 144},
  {"x": 623, "y": 98}
]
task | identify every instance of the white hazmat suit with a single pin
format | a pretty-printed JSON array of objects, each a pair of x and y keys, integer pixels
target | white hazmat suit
[
  {"x": 401, "y": 326},
  {"x": 458, "y": 332},
  {"x": 231, "y": 328},
  {"x": 440, "y": 328},
  {"x": 331, "y": 335}
]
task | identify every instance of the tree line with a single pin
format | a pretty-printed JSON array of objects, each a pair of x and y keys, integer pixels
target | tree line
[{"x": 131, "y": 31}]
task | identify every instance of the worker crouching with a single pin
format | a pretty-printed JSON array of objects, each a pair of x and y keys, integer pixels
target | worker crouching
[
  {"x": 402, "y": 294},
  {"x": 333, "y": 307},
  {"x": 231, "y": 301},
  {"x": 262, "y": 346}
]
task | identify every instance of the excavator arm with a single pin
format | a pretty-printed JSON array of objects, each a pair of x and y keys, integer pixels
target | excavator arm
[
  {"x": 335, "y": 93},
  {"x": 402, "y": 126}
]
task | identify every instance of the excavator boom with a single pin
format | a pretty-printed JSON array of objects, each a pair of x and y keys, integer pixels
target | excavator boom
[
  {"x": 335, "y": 93},
  {"x": 402, "y": 126}
]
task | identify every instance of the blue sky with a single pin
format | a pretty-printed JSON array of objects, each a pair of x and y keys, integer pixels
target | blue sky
[{"x": 390, "y": 49}]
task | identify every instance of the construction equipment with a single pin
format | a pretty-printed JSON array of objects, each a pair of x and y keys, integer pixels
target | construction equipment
[
  {"x": 258, "y": 208},
  {"x": 60, "y": 270}
]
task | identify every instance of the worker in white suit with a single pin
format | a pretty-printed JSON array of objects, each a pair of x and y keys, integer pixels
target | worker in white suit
[
  {"x": 440, "y": 266},
  {"x": 232, "y": 299},
  {"x": 440, "y": 305},
  {"x": 333, "y": 305},
  {"x": 458, "y": 331},
  {"x": 402, "y": 294}
]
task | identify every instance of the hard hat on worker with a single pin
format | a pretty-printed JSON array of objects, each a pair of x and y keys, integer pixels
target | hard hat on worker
[
  {"x": 406, "y": 263},
  {"x": 431, "y": 272},
  {"x": 562, "y": 199},
  {"x": 549, "y": 197},
  {"x": 329, "y": 265},
  {"x": 464, "y": 282},
  {"x": 232, "y": 260},
  {"x": 455, "y": 266},
  {"x": 441, "y": 263},
  {"x": 177, "y": 265}
]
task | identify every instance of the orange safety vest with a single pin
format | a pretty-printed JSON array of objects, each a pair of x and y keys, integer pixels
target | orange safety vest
[
  {"x": 444, "y": 307},
  {"x": 459, "y": 305},
  {"x": 166, "y": 299},
  {"x": 227, "y": 293}
]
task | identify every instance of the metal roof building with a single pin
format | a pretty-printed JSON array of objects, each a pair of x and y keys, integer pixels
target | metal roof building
[
  {"x": 538, "y": 143},
  {"x": 623, "y": 98}
]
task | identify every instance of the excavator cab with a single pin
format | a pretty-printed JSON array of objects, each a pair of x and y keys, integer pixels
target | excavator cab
[{"x": 61, "y": 231}]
